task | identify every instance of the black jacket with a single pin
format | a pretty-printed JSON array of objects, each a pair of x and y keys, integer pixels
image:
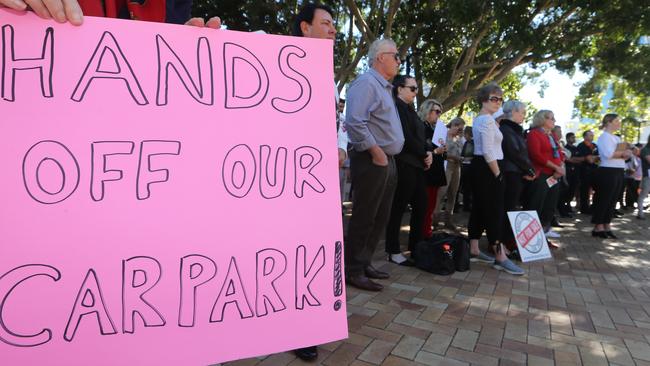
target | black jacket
[
  {"x": 415, "y": 147},
  {"x": 515, "y": 150},
  {"x": 436, "y": 176}
]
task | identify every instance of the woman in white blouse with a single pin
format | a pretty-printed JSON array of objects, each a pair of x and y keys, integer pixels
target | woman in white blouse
[
  {"x": 608, "y": 178},
  {"x": 487, "y": 182}
]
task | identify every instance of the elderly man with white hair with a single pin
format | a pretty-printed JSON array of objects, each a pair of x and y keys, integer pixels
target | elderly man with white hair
[{"x": 376, "y": 135}]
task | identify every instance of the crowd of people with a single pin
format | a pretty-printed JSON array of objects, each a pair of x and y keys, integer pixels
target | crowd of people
[{"x": 494, "y": 166}]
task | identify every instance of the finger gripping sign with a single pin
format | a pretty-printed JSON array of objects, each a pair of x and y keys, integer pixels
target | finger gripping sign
[{"x": 169, "y": 194}]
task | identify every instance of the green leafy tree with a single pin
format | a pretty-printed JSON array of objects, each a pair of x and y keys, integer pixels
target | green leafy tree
[
  {"x": 453, "y": 47},
  {"x": 610, "y": 94}
]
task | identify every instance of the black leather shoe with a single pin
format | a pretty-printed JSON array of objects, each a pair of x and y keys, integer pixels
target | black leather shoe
[
  {"x": 555, "y": 223},
  {"x": 364, "y": 283},
  {"x": 372, "y": 272},
  {"x": 610, "y": 234},
  {"x": 598, "y": 234},
  {"x": 307, "y": 353}
]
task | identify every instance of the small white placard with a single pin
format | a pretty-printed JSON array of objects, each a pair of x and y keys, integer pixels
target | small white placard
[
  {"x": 440, "y": 134},
  {"x": 529, "y": 235}
]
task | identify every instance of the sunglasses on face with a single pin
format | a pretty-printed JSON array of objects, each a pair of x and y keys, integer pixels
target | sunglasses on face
[
  {"x": 437, "y": 111},
  {"x": 413, "y": 88},
  {"x": 495, "y": 99}
]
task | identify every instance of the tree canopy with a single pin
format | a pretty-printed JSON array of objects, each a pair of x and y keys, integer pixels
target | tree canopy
[{"x": 453, "y": 47}]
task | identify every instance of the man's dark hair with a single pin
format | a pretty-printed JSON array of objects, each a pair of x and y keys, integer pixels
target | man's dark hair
[
  {"x": 584, "y": 134},
  {"x": 306, "y": 14},
  {"x": 570, "y": 134}
]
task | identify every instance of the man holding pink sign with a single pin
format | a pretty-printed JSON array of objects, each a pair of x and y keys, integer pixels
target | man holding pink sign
[{"x": 122, "y": 226}]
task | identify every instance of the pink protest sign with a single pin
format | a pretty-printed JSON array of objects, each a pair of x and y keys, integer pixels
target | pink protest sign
[{"x": 169, "y": 194}]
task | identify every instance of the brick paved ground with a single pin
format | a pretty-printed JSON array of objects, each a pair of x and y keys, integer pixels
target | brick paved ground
[{"x": 588, "y": 306}]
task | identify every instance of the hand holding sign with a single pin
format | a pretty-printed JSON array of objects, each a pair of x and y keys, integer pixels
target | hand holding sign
[
  {"x": 214, "y": 22},
  {"x": 127, "y": 187},
  {"x": 60, "y": 10},
  {"x": 439, "y": 134}
]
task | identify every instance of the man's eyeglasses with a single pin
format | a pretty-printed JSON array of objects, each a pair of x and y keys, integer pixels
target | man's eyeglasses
[
  {"x": 437, "y": 111},
  {"x": 494, "y": 99},
  {"x": 414, "y": 89},
  {"x": 395, "y": 55}
]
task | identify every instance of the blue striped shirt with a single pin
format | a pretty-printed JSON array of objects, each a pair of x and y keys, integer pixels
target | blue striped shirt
[{"x": 371, "y": 116}]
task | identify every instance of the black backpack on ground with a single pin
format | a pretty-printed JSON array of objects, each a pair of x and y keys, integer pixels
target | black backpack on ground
[{"x": 443, "y": 254}]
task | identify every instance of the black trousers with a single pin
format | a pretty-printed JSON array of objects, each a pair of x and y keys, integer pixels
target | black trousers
[
  {"x": 568, "y": 191},
  {"x": 374, "y": 187},
  {"x": 586, "y": 183},
  {"x": 608, "y": 182},
  {"x": 466, "y": 186},
  {"x": 487, "y": 202},
  {"x": 543, "y": 199},
  {"x": 514, "y": 185},
  {"x": 411, "y": 189},
  {"x": 631, "y": 192}
]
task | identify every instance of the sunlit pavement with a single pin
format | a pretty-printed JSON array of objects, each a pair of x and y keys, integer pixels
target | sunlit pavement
[{"x": 590, "y": 305}]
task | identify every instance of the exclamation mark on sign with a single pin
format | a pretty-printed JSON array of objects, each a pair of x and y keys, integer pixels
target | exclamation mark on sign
[{"x": 338, "y": 275}]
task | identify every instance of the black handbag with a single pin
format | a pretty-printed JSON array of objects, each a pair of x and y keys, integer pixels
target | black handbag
[
  {"x": 443, "y": 254},
  {"x": 435, "y": 257}
]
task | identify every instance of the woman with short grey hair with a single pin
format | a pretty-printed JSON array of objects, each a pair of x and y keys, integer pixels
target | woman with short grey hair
[
  {"x": 542, "y": 117},
  {"x": 516, "y": 165},
  {"x": 513, "y": 106},
  {"x": 545, "y": 152}
]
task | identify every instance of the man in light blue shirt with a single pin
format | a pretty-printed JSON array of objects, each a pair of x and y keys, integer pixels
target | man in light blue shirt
[{"x": 375, "y": 132}]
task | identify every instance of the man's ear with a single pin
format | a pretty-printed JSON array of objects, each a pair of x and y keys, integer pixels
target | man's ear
[{"x": 304, "y": 27}]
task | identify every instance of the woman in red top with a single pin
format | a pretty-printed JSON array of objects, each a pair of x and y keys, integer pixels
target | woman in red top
[{"x": 546, "y": 155}]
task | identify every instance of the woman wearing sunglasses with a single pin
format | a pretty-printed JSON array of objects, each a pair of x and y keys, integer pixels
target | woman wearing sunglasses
[
  {"x": 487, "y": 183},
  {"x": 411, "y": 163},
  {"x": 430, "y": 112}
]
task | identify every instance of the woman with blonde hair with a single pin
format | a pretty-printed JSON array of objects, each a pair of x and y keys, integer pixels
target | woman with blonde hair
[
  {"x": 454, "y": 146},
  {"x": 608, "y": 178},
  {"x": 430, "y": 112}
]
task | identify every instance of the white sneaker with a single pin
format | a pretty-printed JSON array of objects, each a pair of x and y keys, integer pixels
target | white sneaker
[
  {"x": 552, "y": 234},
  {"x": 398, "y": 258}
]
